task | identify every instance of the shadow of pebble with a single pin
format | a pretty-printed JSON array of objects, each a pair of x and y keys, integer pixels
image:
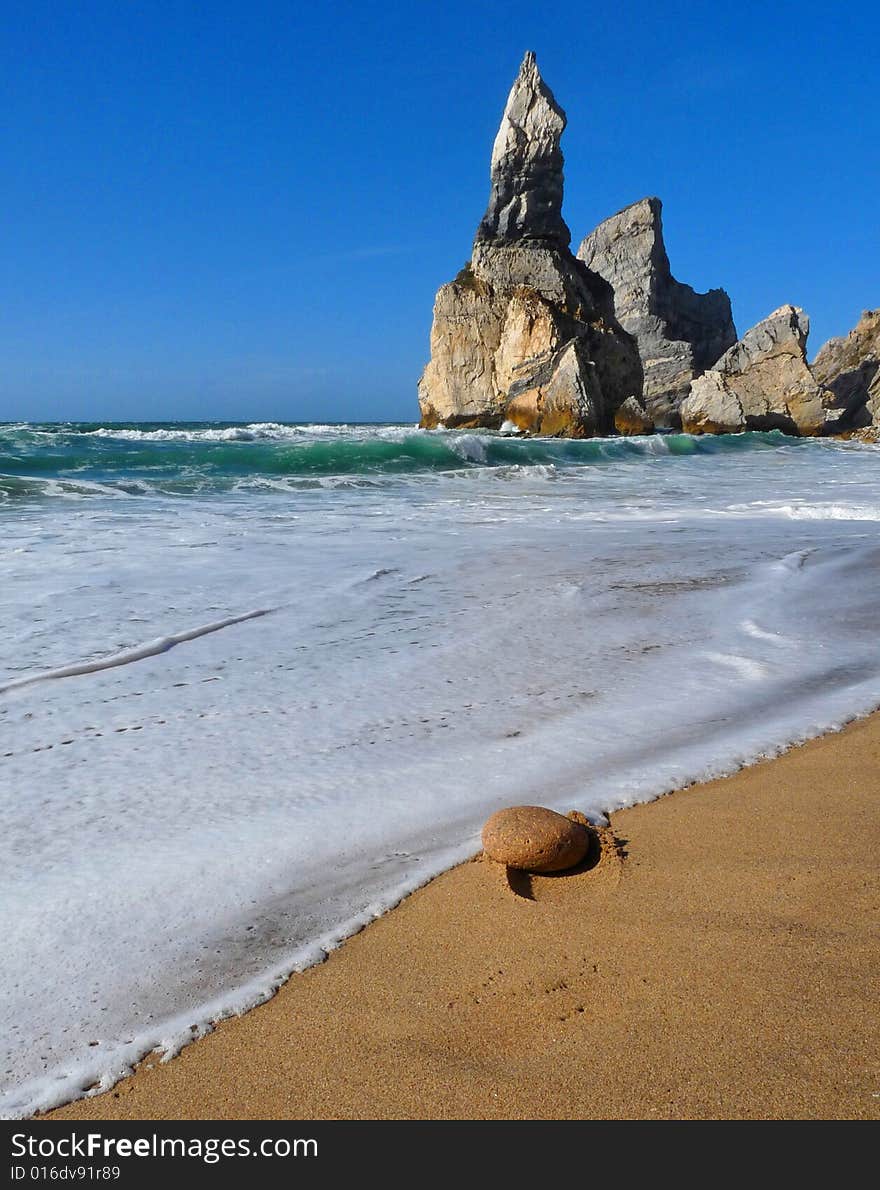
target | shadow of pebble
[{"x": 603, "y": 843}]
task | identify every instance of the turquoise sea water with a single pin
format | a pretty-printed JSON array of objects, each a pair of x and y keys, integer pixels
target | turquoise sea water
[{"x": 181, "y": 458}]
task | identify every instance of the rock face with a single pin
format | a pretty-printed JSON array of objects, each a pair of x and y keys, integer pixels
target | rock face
[
  {"x": 534, "y": 839},
  {"x": 561, "y": 398},
  {"x": 850, "y": 368},
  {"x": 526, "y": 333},
  {"x": 633, "y": 418},
  {"x": 526, "y": 198},
  {"x": 761, "y": 383},
  {"x": 680, "y": 333}
]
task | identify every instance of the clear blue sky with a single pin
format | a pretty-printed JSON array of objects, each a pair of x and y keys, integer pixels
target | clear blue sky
[{"x": 234, "y": 210}]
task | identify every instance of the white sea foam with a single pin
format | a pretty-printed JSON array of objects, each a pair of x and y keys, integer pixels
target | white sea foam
[
  {"x": 752, "y": 629},
  {"x": 151, "y": 648},
  {"x": 469, "y": 446},
  {"x": 184, "y": 826},
  {"x": 256, "y": 431},
  {"x": 252, "y": 432}
]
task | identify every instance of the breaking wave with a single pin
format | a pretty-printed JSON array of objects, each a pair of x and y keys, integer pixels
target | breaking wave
[{"x": 81, "y": 460}]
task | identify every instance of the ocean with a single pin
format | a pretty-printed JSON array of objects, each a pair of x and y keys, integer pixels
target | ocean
[{"x": 257, "y": 682}]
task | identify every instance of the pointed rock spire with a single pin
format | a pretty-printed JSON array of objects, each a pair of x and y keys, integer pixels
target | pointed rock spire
[
  {"x": 526, "y": 334},
  {"x": 680, "y": 333},
  {"x": 526, "y": 198}
]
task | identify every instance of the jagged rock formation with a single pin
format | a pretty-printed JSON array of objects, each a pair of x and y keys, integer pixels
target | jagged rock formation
[
  {"x": 680, "y": 333},
  {"x": 633, "y": 418},
  {"x": 850, "y": 368},
  {"x": 526, "y": 198},
  {"x": 562, "y": 398},
  {"x": 526, "y": 333},
  {"x": 761, "y": 383}
]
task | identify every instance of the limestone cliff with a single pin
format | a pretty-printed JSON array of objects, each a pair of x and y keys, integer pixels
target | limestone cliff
[
  {"x": 850, "y": 368},
  {"x": 526, "y": 333},
  {"x": 761, "y": 383},
  {"x": 680, "y": 333}
]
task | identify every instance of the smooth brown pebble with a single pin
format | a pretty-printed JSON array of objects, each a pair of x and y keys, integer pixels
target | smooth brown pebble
[{"x": 534, "y": 839}]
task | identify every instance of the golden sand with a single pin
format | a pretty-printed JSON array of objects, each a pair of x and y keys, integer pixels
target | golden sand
[{"x": 727, "y": 965}]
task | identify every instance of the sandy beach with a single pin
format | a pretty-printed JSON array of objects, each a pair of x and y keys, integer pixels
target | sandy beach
[{"x": 718, "y": 958}]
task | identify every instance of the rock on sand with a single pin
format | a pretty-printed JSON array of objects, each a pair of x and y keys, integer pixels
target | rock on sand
[{"x": 534, "y": 839}]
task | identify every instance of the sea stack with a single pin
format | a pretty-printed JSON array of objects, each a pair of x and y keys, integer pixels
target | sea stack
[
  {"x": 680, "y": 333},
  {"x": 761, "y": 383},
  {"x": 526, "y": 334}
]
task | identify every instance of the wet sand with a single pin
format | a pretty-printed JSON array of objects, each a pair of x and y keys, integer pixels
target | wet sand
[{"x": 720, "y": 958}]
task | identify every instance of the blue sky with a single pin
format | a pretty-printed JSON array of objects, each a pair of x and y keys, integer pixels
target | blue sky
[{"x": 244, "y": 210}]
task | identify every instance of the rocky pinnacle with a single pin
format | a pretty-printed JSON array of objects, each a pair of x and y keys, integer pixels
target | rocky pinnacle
[
  {"x": 680, "y": 333},
  {"x": 526, "y": 198}
]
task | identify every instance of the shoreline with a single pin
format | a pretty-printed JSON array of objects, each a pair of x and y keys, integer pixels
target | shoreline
[
  {"x": 487, "y": 643},
  {"x": 721, "y": 962}
]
